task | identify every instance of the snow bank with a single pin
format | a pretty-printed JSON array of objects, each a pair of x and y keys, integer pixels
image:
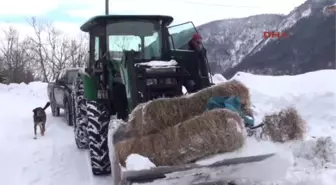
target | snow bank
[
  {"x": 307, "y": 83},
  {"x": 33, "y": 89},
  {"x": 314, "y": 162},
  {"x": 217, "y": 78},
  {"x": 316, "y": 153},
  {"x": 312, "y": 94},
  {"x": 22, "y": 97}
]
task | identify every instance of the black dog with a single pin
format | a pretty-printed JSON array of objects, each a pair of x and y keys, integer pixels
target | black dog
[{"x": 40, "y": 119}]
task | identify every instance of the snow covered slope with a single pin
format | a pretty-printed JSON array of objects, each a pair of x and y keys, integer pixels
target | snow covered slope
[
  {"x": 229, "y": 40},
  {"x": 310, "y": 45},
  {"x": 55, "y": 160},
  {"x": 290, "y": 20}
]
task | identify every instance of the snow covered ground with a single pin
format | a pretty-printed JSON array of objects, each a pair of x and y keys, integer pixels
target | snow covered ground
[
  {"x": 314, "y": 96},
  {"x": 49, "y": 160},
  {"x": 55, "y": 160}
]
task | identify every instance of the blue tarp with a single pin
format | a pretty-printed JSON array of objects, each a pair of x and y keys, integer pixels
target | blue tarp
[{"x": 232, "y": 103}]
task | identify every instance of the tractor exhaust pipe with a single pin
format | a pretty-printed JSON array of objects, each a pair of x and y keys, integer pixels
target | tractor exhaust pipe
[{"x": 106, "y": 7}]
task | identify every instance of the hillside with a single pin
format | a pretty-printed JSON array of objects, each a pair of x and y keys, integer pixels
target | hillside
[
  {"x": 310, "y": 45},
  {"x": 229, "y": 40}
]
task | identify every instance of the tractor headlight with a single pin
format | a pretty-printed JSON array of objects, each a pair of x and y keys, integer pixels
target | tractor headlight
[{"x": 151, "y": 82}]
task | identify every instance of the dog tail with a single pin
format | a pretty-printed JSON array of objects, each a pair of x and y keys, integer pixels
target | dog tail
[{"x": 46, "y": 106}]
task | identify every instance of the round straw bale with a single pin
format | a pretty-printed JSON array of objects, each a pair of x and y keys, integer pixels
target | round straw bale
[
  {"x": 135, "y": 119},
  {"x": 213, "y": 132},
  {"x": 164, "y": 112}
]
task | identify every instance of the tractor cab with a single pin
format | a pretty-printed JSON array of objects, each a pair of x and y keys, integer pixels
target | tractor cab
[{"x": 141, "y": 54}]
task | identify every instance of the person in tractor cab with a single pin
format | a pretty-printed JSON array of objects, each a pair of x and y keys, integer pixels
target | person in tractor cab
[{"x": 195, "y": 44}]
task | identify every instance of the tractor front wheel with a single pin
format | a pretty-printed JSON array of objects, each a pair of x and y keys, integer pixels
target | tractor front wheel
[{"x": 98, "y": 121}]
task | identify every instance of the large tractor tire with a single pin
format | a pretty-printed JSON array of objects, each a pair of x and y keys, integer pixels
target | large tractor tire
[
  {"x": 80, "y": 114},
  {"x": 98, "y": 121}
]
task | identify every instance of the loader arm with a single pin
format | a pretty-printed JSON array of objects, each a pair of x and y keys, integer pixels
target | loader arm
[{"x": 150, "y": 175}]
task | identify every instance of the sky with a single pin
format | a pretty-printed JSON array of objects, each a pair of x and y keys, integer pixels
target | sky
[{"x": 68, "y": 15}]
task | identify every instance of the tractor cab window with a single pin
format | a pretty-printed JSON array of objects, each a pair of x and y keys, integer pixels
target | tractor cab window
[
  {"x": 143, "y": 37},
  {"x": 181, "y": 34},
  {"x": 120, "y": 43}
]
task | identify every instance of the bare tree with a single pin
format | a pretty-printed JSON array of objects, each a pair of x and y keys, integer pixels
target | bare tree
[
  {"x": 58, "y": 46},
  {"x": 15, "y": 57},
  {"x": 37, "y": 45},
  {"x": 65, "y": 52},
  {"x": 120, "y": 43},
  {"x": 55, "y": 50},
  {"x": 124, "y": 42},
  {"x": 40, "y": 55},
  {"x": 79, "y": 51}
]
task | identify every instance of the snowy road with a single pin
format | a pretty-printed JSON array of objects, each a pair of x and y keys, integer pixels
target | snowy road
[
  {"x": 49, "y": 160},
  {"x": 55, "y": 160}
]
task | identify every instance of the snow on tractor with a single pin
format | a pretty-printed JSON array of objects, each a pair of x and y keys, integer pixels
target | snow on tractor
[{"x": 133, "y": 59}]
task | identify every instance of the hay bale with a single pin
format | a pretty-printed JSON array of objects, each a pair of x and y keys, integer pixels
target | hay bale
[
  {"x": 135, "y": 117},
  {"x": 285, "y": 125},
  {"x": 165, "y": 112},
  {"x": 213, "y": 132}
]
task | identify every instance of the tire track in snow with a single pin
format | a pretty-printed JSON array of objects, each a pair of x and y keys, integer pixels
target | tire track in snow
[
  {"x": 70, "y": 165},
  {"x": 66, "y": 165}
]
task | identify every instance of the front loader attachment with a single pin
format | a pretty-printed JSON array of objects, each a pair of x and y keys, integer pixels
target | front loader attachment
[
  {"x": 225, "y": 171},
  {"x": 146, "y": 176}
]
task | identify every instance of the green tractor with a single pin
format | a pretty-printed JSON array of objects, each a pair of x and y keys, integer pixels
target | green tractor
[{"x": 133, "y": 59}]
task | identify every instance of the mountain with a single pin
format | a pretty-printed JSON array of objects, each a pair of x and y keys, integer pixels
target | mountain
[
  {"x": 229, "y": 40},
  {"x": 310, "y": 45}
]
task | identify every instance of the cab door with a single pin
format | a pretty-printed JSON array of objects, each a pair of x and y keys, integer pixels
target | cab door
[{"x": 181, "y": 34}]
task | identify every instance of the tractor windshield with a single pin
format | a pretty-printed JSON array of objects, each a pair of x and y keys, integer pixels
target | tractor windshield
[{"x": 143, "y": 37}]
